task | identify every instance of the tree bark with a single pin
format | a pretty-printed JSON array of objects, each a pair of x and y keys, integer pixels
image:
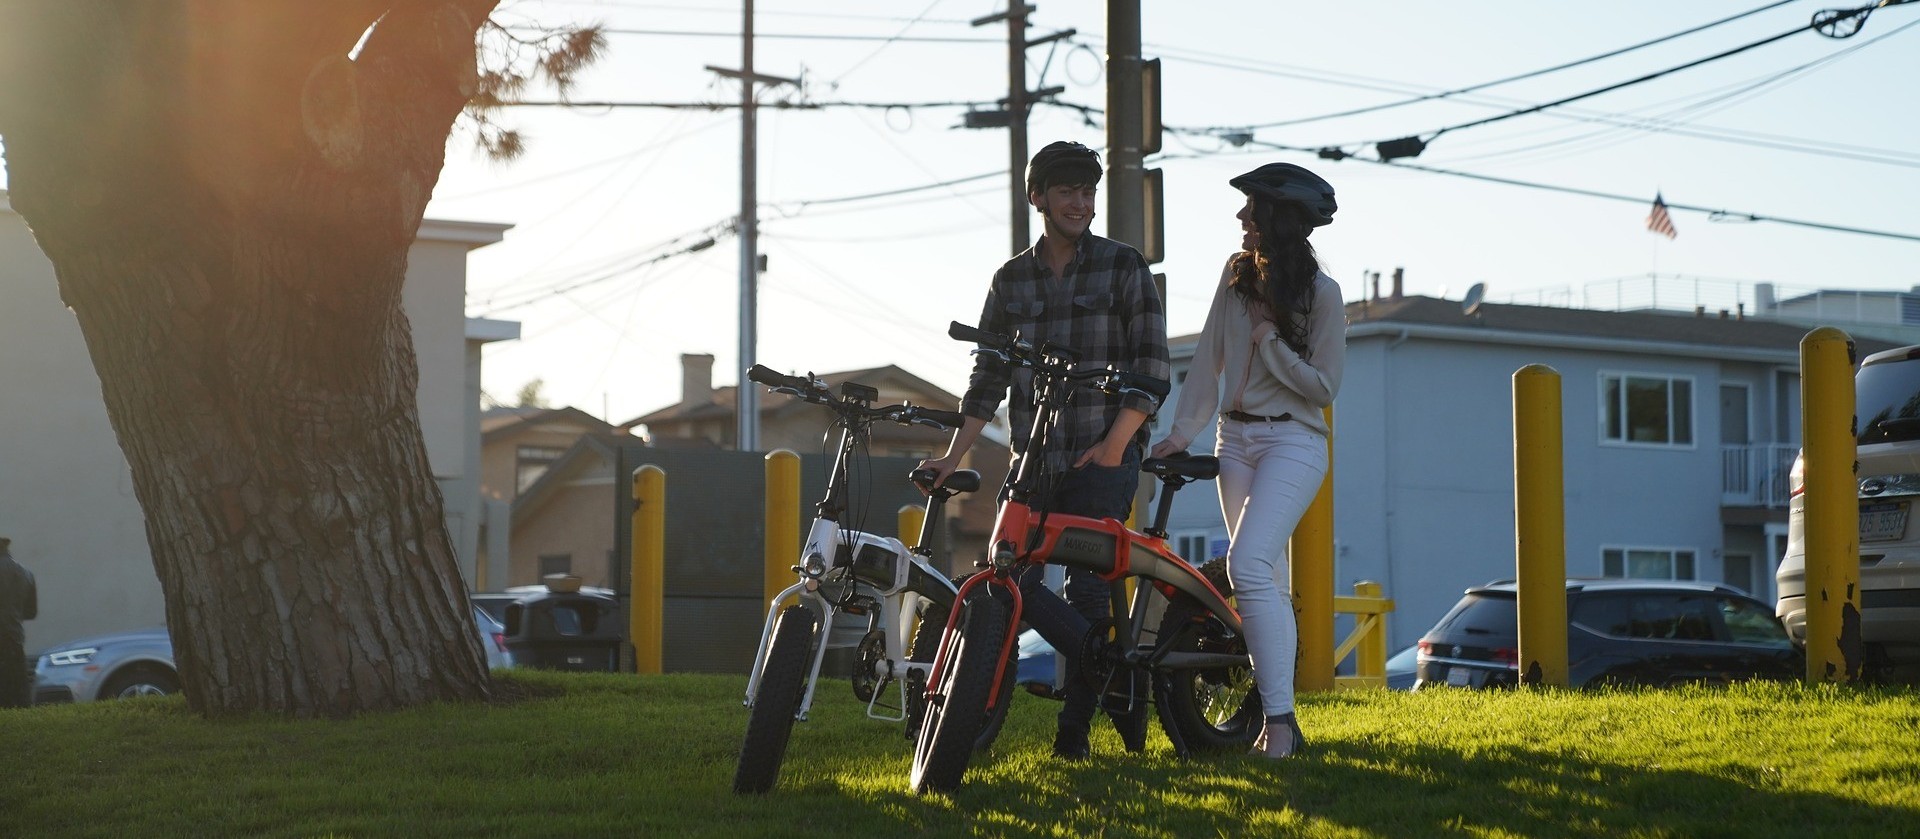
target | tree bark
[{"x": 228, "y": 200}]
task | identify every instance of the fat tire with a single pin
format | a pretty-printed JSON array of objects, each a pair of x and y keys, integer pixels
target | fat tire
[
  {"x": 1203, "y": 704},
  {"x": 783, "y": 681},
  {"x": 926, "y": 643},
  {"x": 956, "y": 717}
]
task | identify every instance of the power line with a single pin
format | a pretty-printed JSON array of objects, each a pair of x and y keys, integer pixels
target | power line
[
  {"x": 889, "y": 42},
  {"x": 795, "y": 36},
  {"x": 762, "y": 12},
  {"x": 721, "y": 106},
  {"x": 1412, "y": 145},
  {"x": 1713, "y": 213},
  {"x": 1664, "y": 123},
  {"x": 1483, "y": 85}
]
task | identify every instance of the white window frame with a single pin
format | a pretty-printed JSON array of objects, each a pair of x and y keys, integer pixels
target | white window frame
[
  {"x": 1672, "y": 556},
  {"x": 1692, "y": 429}
]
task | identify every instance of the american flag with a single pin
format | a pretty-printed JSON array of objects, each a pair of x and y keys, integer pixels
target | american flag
[{"x": 1659, "y": 221}]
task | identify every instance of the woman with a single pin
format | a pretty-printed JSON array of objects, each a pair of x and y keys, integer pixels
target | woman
[{"x": 1269, "y": 359}]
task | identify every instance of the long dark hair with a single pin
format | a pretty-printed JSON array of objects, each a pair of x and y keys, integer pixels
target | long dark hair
[{"x": 1278, "y": 275}]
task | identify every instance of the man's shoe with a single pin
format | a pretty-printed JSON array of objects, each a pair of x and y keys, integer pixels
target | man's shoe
[{"x": 1070, "y": 743}]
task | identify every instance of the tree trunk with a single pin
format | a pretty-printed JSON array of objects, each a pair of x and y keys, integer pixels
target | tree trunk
[{"x": 228, "y": 202}]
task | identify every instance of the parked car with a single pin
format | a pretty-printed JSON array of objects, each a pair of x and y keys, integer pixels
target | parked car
[
  {"x": 140, "y": 663},
  {"x": 1619, "y": 632},
  {"x": 1887, "y": 413},
  {"x": 494, "y": 603},
  {"x": 1403, "y": 668}
]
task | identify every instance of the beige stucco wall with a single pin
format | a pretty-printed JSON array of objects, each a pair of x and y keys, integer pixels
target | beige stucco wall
[
  {"x": 577, "y": 520},
  {"x": 66, "y": 494}
]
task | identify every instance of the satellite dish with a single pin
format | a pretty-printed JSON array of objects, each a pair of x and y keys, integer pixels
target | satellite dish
[{"x": 1470, "y": 304}]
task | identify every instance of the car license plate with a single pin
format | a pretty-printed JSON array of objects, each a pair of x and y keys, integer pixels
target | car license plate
[
  {"x": 1883, "y": 521},
  {"x": 1459, "y": 676}
]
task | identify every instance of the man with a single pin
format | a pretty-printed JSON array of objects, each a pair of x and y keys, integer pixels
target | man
[
  {"x": 18, "y": 602},
  {"x": 1097, "y": 297}
]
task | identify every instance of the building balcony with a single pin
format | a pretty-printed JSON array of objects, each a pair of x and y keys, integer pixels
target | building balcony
[{"x": 1757, "y": 474}]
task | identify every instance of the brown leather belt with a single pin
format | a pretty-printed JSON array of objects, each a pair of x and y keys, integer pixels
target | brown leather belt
[{"x": 1243, "y": 416}]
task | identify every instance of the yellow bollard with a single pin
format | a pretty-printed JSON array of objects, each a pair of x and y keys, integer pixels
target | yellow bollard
[
  {"x": 1311, "y": 555},
  {"x": 646, "y": 623},
  {"x": 912, "y": 520},
  {"x": 1540, "y": 524},
  {"x": 1371, "y": 658},
  {"x": 1832, "y": 512},
  {"x": 783, "y": 522}
]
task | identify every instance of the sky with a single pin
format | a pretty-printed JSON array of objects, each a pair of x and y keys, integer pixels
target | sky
[{"x": 606, "y": 201}]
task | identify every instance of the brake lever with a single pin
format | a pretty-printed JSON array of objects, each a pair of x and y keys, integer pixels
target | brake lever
[{"x": 999, "y": 355}]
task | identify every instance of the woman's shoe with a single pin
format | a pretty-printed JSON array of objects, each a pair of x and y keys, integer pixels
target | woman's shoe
[{"x": 1280, "y": 738}]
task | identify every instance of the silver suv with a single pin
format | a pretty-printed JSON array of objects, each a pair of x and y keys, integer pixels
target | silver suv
[
  {"x": 1887, "y": 413},
  {"x": 140, "y": 663}
]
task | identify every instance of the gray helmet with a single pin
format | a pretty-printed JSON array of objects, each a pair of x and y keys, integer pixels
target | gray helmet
[
  {"x": 1290, "y": 184},
  {"x": 1063, "y": 162}
]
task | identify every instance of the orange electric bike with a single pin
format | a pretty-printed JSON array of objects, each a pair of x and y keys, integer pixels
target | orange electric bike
[{"x": 1192, "y": 660}]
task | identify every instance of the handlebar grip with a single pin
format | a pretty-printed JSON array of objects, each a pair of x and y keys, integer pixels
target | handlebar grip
[
  {"x": 1157, "y": 387},
  {"x": 961, "y": 332},
  {"x": 950, "y": 419},
  {"x": 768, "y": 376}
]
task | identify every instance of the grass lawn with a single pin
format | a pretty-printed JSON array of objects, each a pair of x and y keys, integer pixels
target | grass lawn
[{"x": 612, "y": 755}]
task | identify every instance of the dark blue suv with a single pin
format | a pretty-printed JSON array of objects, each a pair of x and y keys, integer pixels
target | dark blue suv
[{"x": 1619, "y": 632}]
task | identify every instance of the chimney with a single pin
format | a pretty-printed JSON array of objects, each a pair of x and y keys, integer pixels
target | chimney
[
  {"x": 1398, "y": 275},
  {"x": 1763, "y": 301},
  {"x": 696, "y": 378},
  {"x": 1376, "y": 286}
]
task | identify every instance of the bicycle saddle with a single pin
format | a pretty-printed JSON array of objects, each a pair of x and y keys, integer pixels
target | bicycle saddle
[
  {"x": 1204, "y": 467},
  {"x": 959, "y": 480}
]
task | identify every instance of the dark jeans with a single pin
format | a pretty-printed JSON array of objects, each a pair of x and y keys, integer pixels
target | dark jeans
[
  {"x": 13, "y": 675},
  {"x": 1099, "y": 492}
]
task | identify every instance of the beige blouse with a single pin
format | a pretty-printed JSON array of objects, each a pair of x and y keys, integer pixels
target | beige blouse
[{"x": 1239, "y": 365}]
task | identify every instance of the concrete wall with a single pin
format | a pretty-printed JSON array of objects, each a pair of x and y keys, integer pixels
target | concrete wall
[{"x": 66, "y": 493}]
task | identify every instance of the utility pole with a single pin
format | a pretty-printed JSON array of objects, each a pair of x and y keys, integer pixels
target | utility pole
[
  {"x": 1014, "y": 117},
  {"x": 1125, "y": 127},
  {"x": 746, "y": 399}
]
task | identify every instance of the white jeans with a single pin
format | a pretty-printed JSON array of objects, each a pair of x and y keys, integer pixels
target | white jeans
[{"x": 1269, "y": 474}]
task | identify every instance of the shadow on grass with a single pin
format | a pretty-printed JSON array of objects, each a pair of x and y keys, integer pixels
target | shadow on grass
[{"x": 1394, "y": 789}]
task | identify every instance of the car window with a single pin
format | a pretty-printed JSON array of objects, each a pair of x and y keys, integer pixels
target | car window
[
  {"x": 1673, "y": 617},
  {"x": 1887, "y": 401},
  {"x": 1482, "y": 614},
  {"x": 1752, "y": 623}
]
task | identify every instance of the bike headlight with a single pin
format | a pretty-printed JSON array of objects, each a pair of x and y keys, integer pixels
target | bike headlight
[
  {"x": 814, "y": 566},
  {"x": 69, "y": 658}
]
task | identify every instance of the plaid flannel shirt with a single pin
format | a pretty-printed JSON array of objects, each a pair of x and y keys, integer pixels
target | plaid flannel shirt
[{"x": 1106, "y": 308}]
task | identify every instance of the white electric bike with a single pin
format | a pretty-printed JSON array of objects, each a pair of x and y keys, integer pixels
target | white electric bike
[{"x": 896, "y": 590}]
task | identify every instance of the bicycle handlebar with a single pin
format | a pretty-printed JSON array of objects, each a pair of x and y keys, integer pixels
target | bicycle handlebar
[
  {"x": 1013, "y": 351},
  {"x": 949, "y": 419},
  {"x": 815, "y": 391},
  {"x": 800, "y": 385}
]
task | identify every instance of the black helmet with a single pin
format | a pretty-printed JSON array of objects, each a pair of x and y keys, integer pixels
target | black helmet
[
  {"x": 1290, "y": 184},
  {"x": 1063, "y": 162}
]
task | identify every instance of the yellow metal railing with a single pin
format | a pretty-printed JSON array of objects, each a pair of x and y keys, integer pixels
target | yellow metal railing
[{"x": 1369, "y": 637}]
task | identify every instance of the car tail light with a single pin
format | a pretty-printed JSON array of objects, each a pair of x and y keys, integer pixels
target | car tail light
[
  {"x": 500, "y": 641},
  {"x": 1426, "y": 648},
  {"x": 1507, "y": 656},
  {"x": 1797, "y": 476}
]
